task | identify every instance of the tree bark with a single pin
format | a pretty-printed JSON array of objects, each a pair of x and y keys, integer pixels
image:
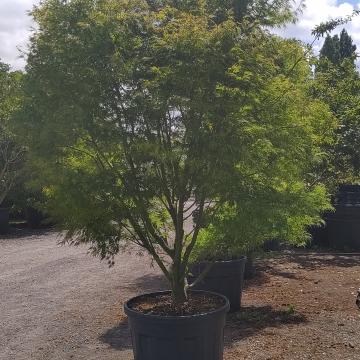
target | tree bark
[
  {"x": 178, "y": 285},
  {"x": 178, "y": 291}
]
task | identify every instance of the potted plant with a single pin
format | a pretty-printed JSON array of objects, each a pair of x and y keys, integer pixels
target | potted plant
[
  {"x": 11, "y": 153},
  {"x": 221, "y": 275},
  {"x": 137, "y": 114},
  {"x": 218, "y": 261},
  {"x": 217, "y": 266}
]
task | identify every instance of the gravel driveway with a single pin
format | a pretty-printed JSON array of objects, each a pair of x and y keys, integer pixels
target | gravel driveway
[{"x": 58, "y": 302}]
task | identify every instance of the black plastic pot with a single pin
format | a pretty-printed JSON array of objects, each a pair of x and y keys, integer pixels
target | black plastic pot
[
  {"x": 196, "y": 337},
  {"x": 225, "y": 278},
  {"x": 271, "y": 245},
  {"x": 4, "y": 221},
  {"x": 249, "y": 272},
  {"x": 34, "y": 217},
  {"x": 343, "y": 226},
  {"x": 319, "y": 235}
]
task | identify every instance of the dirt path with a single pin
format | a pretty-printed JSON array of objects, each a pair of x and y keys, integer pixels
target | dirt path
[{"x": 60, "y": 303}]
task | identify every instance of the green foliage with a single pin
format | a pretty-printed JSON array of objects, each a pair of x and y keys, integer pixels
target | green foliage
[
  {"x": 276, "y": 192},
  {"x": 337, "y": 49},
  {"x": 11, "y": 153},
  {"x": 347, "y": 47},
  {"x": 331, "y": 49},
  {"x": 271, "y": 13},
  {"x": 241, "y": 228},
  {"x": 328, "y": 26},
  {"x": 337, "y": 83},
  {"x": 138, "y": 113}
]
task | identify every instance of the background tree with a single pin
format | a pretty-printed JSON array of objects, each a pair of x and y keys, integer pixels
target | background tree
[
  {"x": 337, "y": 49},
  {"x": 11, "y": 152},
  {"x": 337, "y": 83},
  {"x": 347, "y": 49},
  {"x": 331, "y": 49},
  {"x": 137, "y": 115}
]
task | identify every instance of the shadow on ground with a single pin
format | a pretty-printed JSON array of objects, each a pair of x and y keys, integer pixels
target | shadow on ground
[
  {"x": 317, "y": 261},
  {"x": 246, "y": 323},
  {"x": 252, "y": 319},
  {"x": 118, "y": 337},
  {"x": 268, "y": 267},
  {"x": 148, "y": 283},
  {"x": 19, "y": 233}
]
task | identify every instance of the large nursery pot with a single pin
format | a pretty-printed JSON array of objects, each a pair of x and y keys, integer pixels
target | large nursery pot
[
  {"x": 4, "y": 221},
  {"x": 191, "y": 337},
  {"x": 225, "y": 278},
  {"x": 343, "y": 225}
]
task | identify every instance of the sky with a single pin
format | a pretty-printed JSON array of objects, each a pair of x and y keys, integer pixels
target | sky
[{"x": 15, "y": 25}]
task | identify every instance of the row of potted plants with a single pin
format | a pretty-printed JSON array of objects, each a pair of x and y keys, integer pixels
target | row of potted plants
[{"x": 33, "y": 218}]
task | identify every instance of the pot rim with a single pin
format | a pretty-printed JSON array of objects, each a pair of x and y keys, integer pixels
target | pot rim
[
  {"x": 129, "y": 311},
  {"x": 239, "y": 259}
]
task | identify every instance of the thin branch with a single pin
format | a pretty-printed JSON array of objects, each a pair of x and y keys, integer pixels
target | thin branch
[{"x": 203, "y": 274}]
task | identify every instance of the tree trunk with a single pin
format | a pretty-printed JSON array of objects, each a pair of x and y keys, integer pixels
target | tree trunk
[
  {"x": 179, "y": 294},
  {"x": 178, "y": 290}
]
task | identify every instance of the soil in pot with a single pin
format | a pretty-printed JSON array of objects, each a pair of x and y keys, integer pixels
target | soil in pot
[
  {"x": 162, "y": 331},
  {"x": 225, "y": 278},
  {"x": 197, "y": 304}
]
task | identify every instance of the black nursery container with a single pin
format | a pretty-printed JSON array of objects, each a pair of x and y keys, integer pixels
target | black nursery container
[
  {"x": 343, "y": 226},
  {"x": 4, "y": 221},
  {"x": 34, "y": 217},
  {"x": 195, "y": 337},
  {"x": 225, "y": 278},
  {"x": 249, "y": 271}
]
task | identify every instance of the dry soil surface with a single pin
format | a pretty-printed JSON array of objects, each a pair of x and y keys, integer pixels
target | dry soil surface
[{"x": 58, "y": 302}]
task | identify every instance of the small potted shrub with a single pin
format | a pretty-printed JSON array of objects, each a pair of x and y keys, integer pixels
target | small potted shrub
[
  {"x": 218, "y": 262},
  {"x": 223, "y": 274},
  {"x": 137, "y": 114}
]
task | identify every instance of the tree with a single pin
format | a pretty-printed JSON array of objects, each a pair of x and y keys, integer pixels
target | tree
[
  {"x": 336, "y": 50},
  {"x": 337, "y": 83},
  {"x": 347, "y": 49},
  {"x": 136, "y": 115},
  {"x": 11, "y": 153},
  {"x": 331, "y": 49}
]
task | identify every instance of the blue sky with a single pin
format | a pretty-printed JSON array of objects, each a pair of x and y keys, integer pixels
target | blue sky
[
  {"x": 349, "y": 1},
  {"x": 15, "y": 24}
]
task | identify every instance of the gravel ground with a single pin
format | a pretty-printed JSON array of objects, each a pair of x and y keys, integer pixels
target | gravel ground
[
  {"x": 60, "y": 303},
  {"x": 299, "y": 307},
  {"x": 57, "y": 302}
]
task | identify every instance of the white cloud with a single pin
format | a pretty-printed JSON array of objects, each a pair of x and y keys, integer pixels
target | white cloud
[
  {"x": 15, "y": 24},
  {"x": 318, "y": 11}
]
